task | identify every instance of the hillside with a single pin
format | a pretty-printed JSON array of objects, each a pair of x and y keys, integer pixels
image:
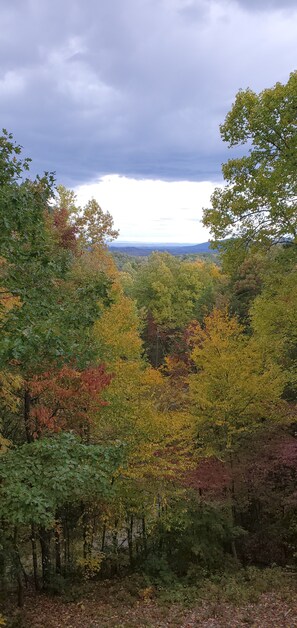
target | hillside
[{"x": 143, "y": 250}]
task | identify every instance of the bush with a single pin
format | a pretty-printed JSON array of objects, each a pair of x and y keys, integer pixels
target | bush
[
  {"x": 243, "y": 587},
  {"x": 246, "y": 585},
  {"x": 158, "y": 570}
]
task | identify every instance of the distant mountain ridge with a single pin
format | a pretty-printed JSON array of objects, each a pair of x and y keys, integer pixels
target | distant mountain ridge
[{"x": 143, "y": 249}]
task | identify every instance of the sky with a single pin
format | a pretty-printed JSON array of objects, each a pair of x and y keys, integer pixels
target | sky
[{"x": 123, "y": 98}]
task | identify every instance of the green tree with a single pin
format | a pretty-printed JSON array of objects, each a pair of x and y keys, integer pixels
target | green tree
[
  {"x": 258, "y": 201},
  {"x": 274, "y": 315},
  {"x": 245, "y": 283},
  {"x": 53, "y": 288},
  {"x": 51, "y": 291},
  {"x": 38, "y": 480},
  {"x": 172, "y": 292}
]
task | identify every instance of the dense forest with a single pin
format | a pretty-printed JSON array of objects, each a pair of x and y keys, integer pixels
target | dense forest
[{"x": 148, "y": 408}]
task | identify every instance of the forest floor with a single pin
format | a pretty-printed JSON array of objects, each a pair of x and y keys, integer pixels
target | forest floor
[{"x": 111, "y": 605}]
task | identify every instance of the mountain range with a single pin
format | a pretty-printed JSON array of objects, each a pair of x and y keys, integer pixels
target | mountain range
[{"x": 143, "y": 249}]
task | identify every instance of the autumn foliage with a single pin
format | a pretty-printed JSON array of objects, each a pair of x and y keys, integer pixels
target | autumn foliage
[
  {"x": 148, "y": 414},
  {"x": 66, "y": 399}
]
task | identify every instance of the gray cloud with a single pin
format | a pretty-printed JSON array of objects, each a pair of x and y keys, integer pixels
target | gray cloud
[
  {"x": 267, "y": 5},
  {"x": 136, "y": 87}
]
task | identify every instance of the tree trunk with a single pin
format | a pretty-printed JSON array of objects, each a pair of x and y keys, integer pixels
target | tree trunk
[
  {"x": 58, "y": 550},
  {"x": 87, "y": 535},
  {"x": 116, "y": 546},
  {"x": 66, "y": 540},
  {"x": 103, "y": 537},
  {"x": 45, "y": 544},
  {"x": 233, "y": 550},
  {"x": 34, "y": 557},
  {"x": 18, "y": 570},
  {"x": 20, "y": 588},
  {"x": 157, "y": 348},
  {"x": 144, "y": 537},
  {"x": 130, "y": 541},
  {"x": 233, "y": 509}
]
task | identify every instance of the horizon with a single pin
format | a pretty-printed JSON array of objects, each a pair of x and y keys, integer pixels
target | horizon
[{"x": 149, "y": 243}]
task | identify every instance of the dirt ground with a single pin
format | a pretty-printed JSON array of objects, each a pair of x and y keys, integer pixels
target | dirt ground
[{"x": 114, "y": 607}]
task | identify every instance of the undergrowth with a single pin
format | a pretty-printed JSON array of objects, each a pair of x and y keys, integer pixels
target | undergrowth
[{"x": 245, "y": 586}]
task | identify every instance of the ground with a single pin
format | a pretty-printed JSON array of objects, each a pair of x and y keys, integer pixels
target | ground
[
  {"x": 269, "y": 612},
  {"x": 112, "y": 605}
]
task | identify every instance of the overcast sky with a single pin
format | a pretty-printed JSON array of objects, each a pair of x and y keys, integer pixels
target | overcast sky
[{"x": 123, "y": 98}]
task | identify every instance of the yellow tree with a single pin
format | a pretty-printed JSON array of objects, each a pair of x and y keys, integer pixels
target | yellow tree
[
  {"x": 136, "y": 409},
  {"x": 235, "y": 392},
  {"x": 237, "y": 388},
  {"x": 154, "y": 438}
]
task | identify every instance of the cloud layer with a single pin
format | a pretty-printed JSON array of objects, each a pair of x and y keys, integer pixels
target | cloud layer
[
  {"x": 135, "y": 87},
  {"x": 152, "y": 210}
]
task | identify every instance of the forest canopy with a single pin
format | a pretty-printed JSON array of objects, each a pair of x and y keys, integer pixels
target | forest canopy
[{"x": 148, "y": 413}]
